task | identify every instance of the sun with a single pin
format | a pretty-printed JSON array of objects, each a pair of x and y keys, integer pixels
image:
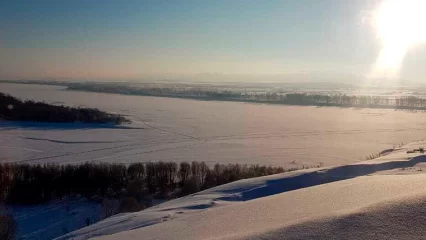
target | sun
[{"x": 400, "y": 24}]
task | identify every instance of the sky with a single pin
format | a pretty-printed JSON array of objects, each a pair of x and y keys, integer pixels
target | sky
[{"x": 133, "y": 40}]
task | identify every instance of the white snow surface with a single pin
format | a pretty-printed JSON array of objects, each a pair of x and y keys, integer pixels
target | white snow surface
[
  {"x": 383, "y": 198},
  {"x": 167, "y": 129}
]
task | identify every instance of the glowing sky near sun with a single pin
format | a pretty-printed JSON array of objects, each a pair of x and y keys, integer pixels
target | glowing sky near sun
[
  {"x": 130, "y": 40},
  {"x": 400, "y": 24}
]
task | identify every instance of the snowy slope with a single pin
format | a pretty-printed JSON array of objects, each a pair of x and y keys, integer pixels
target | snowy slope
[
  {"x": 275, "y": 215},
  {"x": 215, "y": 197},
  {"x": 373, "y": 197}
]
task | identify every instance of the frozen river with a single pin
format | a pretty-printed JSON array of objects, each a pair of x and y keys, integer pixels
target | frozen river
[{"x": 212, "y": 131}]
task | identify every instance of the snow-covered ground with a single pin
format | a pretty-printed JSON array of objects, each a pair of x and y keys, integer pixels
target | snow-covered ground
[
  {"x": 382, "y": 198},
  {"x": 358, "y": 198},
  {"x": 53, "y": 219},
  {"x": 186, "y": 130}
]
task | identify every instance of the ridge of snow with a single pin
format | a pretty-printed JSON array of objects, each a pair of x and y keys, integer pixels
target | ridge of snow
[{"x": 183, "y": 216}]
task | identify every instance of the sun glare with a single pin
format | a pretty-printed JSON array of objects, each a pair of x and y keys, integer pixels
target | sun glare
[{"x": 399, "y": 24}]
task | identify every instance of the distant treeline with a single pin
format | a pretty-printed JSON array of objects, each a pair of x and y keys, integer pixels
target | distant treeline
[
  {"x": 31, "y": 184},
  {"x": 409, "y": 102},
  {"x": 14, "y": 109}
]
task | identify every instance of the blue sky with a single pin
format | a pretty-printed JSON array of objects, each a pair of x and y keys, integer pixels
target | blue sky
[{"x": 130, "y": 40}]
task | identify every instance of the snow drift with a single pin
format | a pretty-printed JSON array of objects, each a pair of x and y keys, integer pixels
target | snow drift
[{"x": 381, "y": 199}]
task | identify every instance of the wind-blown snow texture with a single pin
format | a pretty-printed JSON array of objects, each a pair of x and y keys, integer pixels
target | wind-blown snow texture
[{"x": 379, "y": 199}]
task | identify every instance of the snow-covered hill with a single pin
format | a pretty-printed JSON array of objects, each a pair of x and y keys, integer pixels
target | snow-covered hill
[{"x": 381, "y": 199}]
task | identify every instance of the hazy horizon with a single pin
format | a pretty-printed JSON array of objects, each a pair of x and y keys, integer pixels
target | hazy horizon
[{"x": 307, "y": 40}]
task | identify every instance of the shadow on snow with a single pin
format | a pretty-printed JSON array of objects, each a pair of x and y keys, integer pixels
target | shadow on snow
[{"x": 320, "y": 177}]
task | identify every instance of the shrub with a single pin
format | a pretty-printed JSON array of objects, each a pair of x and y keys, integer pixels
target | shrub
[
  {"x": 108, "y": 208},
  {"x": 136, "y": 189},
  {"x": 129, "y": 204},
  {"x": 190, "y": 187}
]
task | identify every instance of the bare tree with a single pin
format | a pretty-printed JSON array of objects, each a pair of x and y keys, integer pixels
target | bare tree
[
  {"x": 108, "y": 208},
  {"x": 184, "y": 172}
]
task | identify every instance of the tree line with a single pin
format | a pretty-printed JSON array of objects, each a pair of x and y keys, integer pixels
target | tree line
[
  {"x": 12, "y": 108},
  {"x": 32, "y": 184},
  {"x": 403, "y": 102}
]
